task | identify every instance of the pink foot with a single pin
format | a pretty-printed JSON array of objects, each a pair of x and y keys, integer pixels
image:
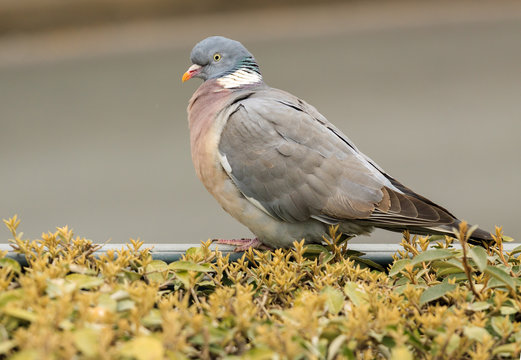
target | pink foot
[{"x": 243, "y": 244}]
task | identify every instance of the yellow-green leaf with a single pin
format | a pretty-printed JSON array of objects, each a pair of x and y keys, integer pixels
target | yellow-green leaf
[
  {"x": 105, "y": 301},
  {"x": 316, "y": 249},
  {"x": 435, "y": 292},
  {"x": 355, "y": 294},
  {"x": 431, "y": 255},
  {"x": 507, "y": 310},
  {"x": 516, "y": 250},
  {"x": 189, "y": 266},
  {"x": 398, "y": 266},
  {"x": 87, "y": 341},
  {"x": 335, "y": 346},
  {"x": 125, "y": 305},
  {"x": 156, "y": 271},
  {"x": 184, "y": 277},
  {"x": 505, "y": 349},
  {"x": 476, "y": 333},
  {"x": 120, "y": 295},
  {"x": 401, "y": 353},
  {"x": 367, "y": 262},
  {"x": 19, "y": 313},
  {"x": 153, "y": 318},
  {"x": 507, "y": 238},
  {"x": 334, "y": 299},
  {"x": 143, "y": 348},
  {"x": 59, "y": 287},
  {"x": 479, "y": 255},
  {"x": 83, "y": 281},
  {"x": 10, "y": 295},
  {"x": 501, "y": 325},
  {"x": 453, "y": 344},
  {"x": 11, "y": 264},
  {"x": 479, "y": 306},
  {"x": 130, "y": 275},
  {"x": 500, "y": 275},
  {"x": 447, "y": 267}
]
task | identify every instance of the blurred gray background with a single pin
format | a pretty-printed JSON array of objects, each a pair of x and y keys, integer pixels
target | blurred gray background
[{"x": 93, "y": 128}]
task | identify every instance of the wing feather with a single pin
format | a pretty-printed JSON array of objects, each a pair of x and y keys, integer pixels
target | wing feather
[{"x": 289, "y": 160}]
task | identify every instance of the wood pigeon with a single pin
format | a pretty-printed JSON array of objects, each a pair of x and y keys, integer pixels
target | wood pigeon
[{"x": 281, "y": 168}]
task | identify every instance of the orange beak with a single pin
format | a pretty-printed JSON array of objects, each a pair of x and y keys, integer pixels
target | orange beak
[{"x": 191, "y": 72}]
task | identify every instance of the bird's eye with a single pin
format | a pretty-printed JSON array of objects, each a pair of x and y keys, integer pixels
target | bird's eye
[{"x": 217, "y": 57}]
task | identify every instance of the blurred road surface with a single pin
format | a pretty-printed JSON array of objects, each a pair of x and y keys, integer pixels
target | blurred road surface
[{"x": 93, "y": 129}]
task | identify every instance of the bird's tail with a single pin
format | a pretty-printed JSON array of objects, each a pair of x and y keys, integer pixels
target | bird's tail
[
  {"x": 478, "y": 237},
  {"x": 481, "y": 237}
]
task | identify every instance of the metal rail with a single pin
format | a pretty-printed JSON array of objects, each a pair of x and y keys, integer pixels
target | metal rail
[{"x": 379, "y": 253}]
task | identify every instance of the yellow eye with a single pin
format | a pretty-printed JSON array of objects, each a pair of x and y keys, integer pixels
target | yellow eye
[{"x": 217, "y": 57}]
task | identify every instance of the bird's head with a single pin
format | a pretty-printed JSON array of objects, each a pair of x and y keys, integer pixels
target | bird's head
[{"x": 217, "y": 56}]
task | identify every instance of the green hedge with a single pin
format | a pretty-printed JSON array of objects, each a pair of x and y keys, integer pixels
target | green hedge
[{"x": 310, "y": 302}]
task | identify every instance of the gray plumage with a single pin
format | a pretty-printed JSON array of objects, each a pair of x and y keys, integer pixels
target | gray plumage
[{"x": 269, "y": 149}]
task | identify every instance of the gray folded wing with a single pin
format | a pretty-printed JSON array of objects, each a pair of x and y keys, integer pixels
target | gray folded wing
[{"x": 293, "y": 164}]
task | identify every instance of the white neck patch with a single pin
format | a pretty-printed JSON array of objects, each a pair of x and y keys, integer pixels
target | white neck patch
[{"x": 239, "y": 77}]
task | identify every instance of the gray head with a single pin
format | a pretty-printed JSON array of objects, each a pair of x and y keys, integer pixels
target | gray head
[{"x": 217, "y": 56}]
